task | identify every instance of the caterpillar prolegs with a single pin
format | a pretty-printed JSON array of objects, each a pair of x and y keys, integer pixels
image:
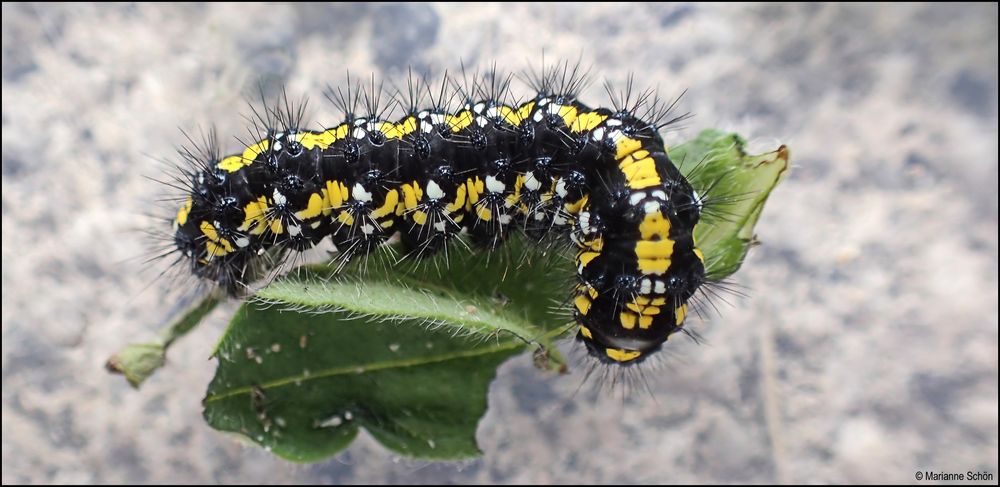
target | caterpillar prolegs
[{"x": 599, "y": 178}]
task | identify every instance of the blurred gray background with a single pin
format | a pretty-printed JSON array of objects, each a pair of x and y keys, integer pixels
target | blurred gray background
[{"x": 866, "y": 351}]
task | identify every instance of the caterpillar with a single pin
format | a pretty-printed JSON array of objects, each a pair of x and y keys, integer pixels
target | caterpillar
[{"x": 466, "y": 160}]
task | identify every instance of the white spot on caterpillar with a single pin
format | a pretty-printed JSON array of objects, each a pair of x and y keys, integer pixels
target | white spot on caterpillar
[
  {"x": 559, "y": 220},
  {"x": 493, "y": 113},
  {"x": 539, "y": 215},
  {"x": 636, "y": 198},
  {"x": 494, "y": 185},
  {"x": 439, "y": 225},
  {"x": 277, "y": 145},
  {"x": 359, "y": 193},
  {"x": 242, "y": 242},
  {"x": 367, "y": 229},
  {"x": 584, "y": 220},
  {"x": 660, "y": 195},
  {"x": 530, "y": 182},
  {"x": 697, "y": 199},
  {"x": 651, "y": 207},
  {"x": 434, "y": 191},
  {"x": 597, "y": 134},
  {"x": 360, "y": 133},
  {"x": 660, "y": 287},
  {"x": 561, "y": 188},
  {"x": 646, "y": 286},
  {"x": 478, "y": 108},
  {"x": 294, "y": 230},
  {"x": 614, "y": 122},
  {"x": 505, "y": 219},
  {"x": 437, "y": 118},
  {"x": 482, "y": 121},
  {"x": 279, "y": 199},
  {"x": 538, "y": 116}
]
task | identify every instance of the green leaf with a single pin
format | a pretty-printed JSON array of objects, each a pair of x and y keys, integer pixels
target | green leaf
[
  {"x": 405, "y": 351},
  {"x": 738, "y": 186},
  {"x": 301, "y": 385}
]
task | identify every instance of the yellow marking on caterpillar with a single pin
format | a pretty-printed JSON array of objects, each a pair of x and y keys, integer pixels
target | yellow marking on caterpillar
[
  {"x": 654, "y": 227},
  {"x": 587, "y": 121},
  {"x": 391, "y": 199},
  {"x": 459, "y": 202},
  {"x": 595, "y": 245},
  {"x": 654, "y": 249},
  {"x": 403, "y": 128},
  {"x": 524, "y": 112},
  {"x": 476, "y": 187},
  {"x": 313, "y": 209},
  {"x": 387, "y": 223},
  {"x": 336, "y": 193},
  {"x": 513, "y": 199},
  {"x": 619, "y": 355},
  {"x": 346, "y": 218},
  {"x": 627, "y": 319},
  {"x": 510, "y": 115},
  {"x": 420, "y": 217},
  {"x": 643, "y": 310},
  {"x": 231, "y": 163},
  {"x": 645, "y": 322},
  {"x": 568, "y": 113},
  {"x": 640, "y": 173},
  {"x": 255, "y": 216},
  {"x": 182, "y": 214},
  {"x": 235, "y": 163},
  {"x": 592, "y": 292},
  {"x": 700, "y": 255},
  {"x": 215, "y": 246},
  {"x": 586, "y": 332},
  {"x": 460, "y": 121},
  {"x": 644, "y": 300},
  {"x": 412, "y": 193},
  {"x": 585, "y": 257},
  {"x": 324, "y": 139},
  {"x": 484, "y": 213},
  {"x": 582, "y": 304},
  {"x": 574, "y": 208},
  {"x": 458, "y": 218},
  {"x": 653, "y": 266},
  {"x": 681, "y": 313},
  {"x": 277, "y": 227},
  {"x": 388, "y": 129},
  {"x": 626, "y": 146}
]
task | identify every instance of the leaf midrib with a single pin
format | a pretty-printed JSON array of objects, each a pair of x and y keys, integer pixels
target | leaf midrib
[
  {"x": 516, "y": 325},
  {"x": 354, "y": 369}
]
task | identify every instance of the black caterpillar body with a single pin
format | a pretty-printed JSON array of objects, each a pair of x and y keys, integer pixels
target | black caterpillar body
[{"x": 600, "y": 178}]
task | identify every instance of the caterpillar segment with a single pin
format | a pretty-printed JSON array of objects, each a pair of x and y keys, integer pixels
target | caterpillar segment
[{"x": 551, "y": 166}]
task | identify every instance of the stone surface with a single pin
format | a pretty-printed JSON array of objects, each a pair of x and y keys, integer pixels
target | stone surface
[{"x": 866, "y": 351}]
